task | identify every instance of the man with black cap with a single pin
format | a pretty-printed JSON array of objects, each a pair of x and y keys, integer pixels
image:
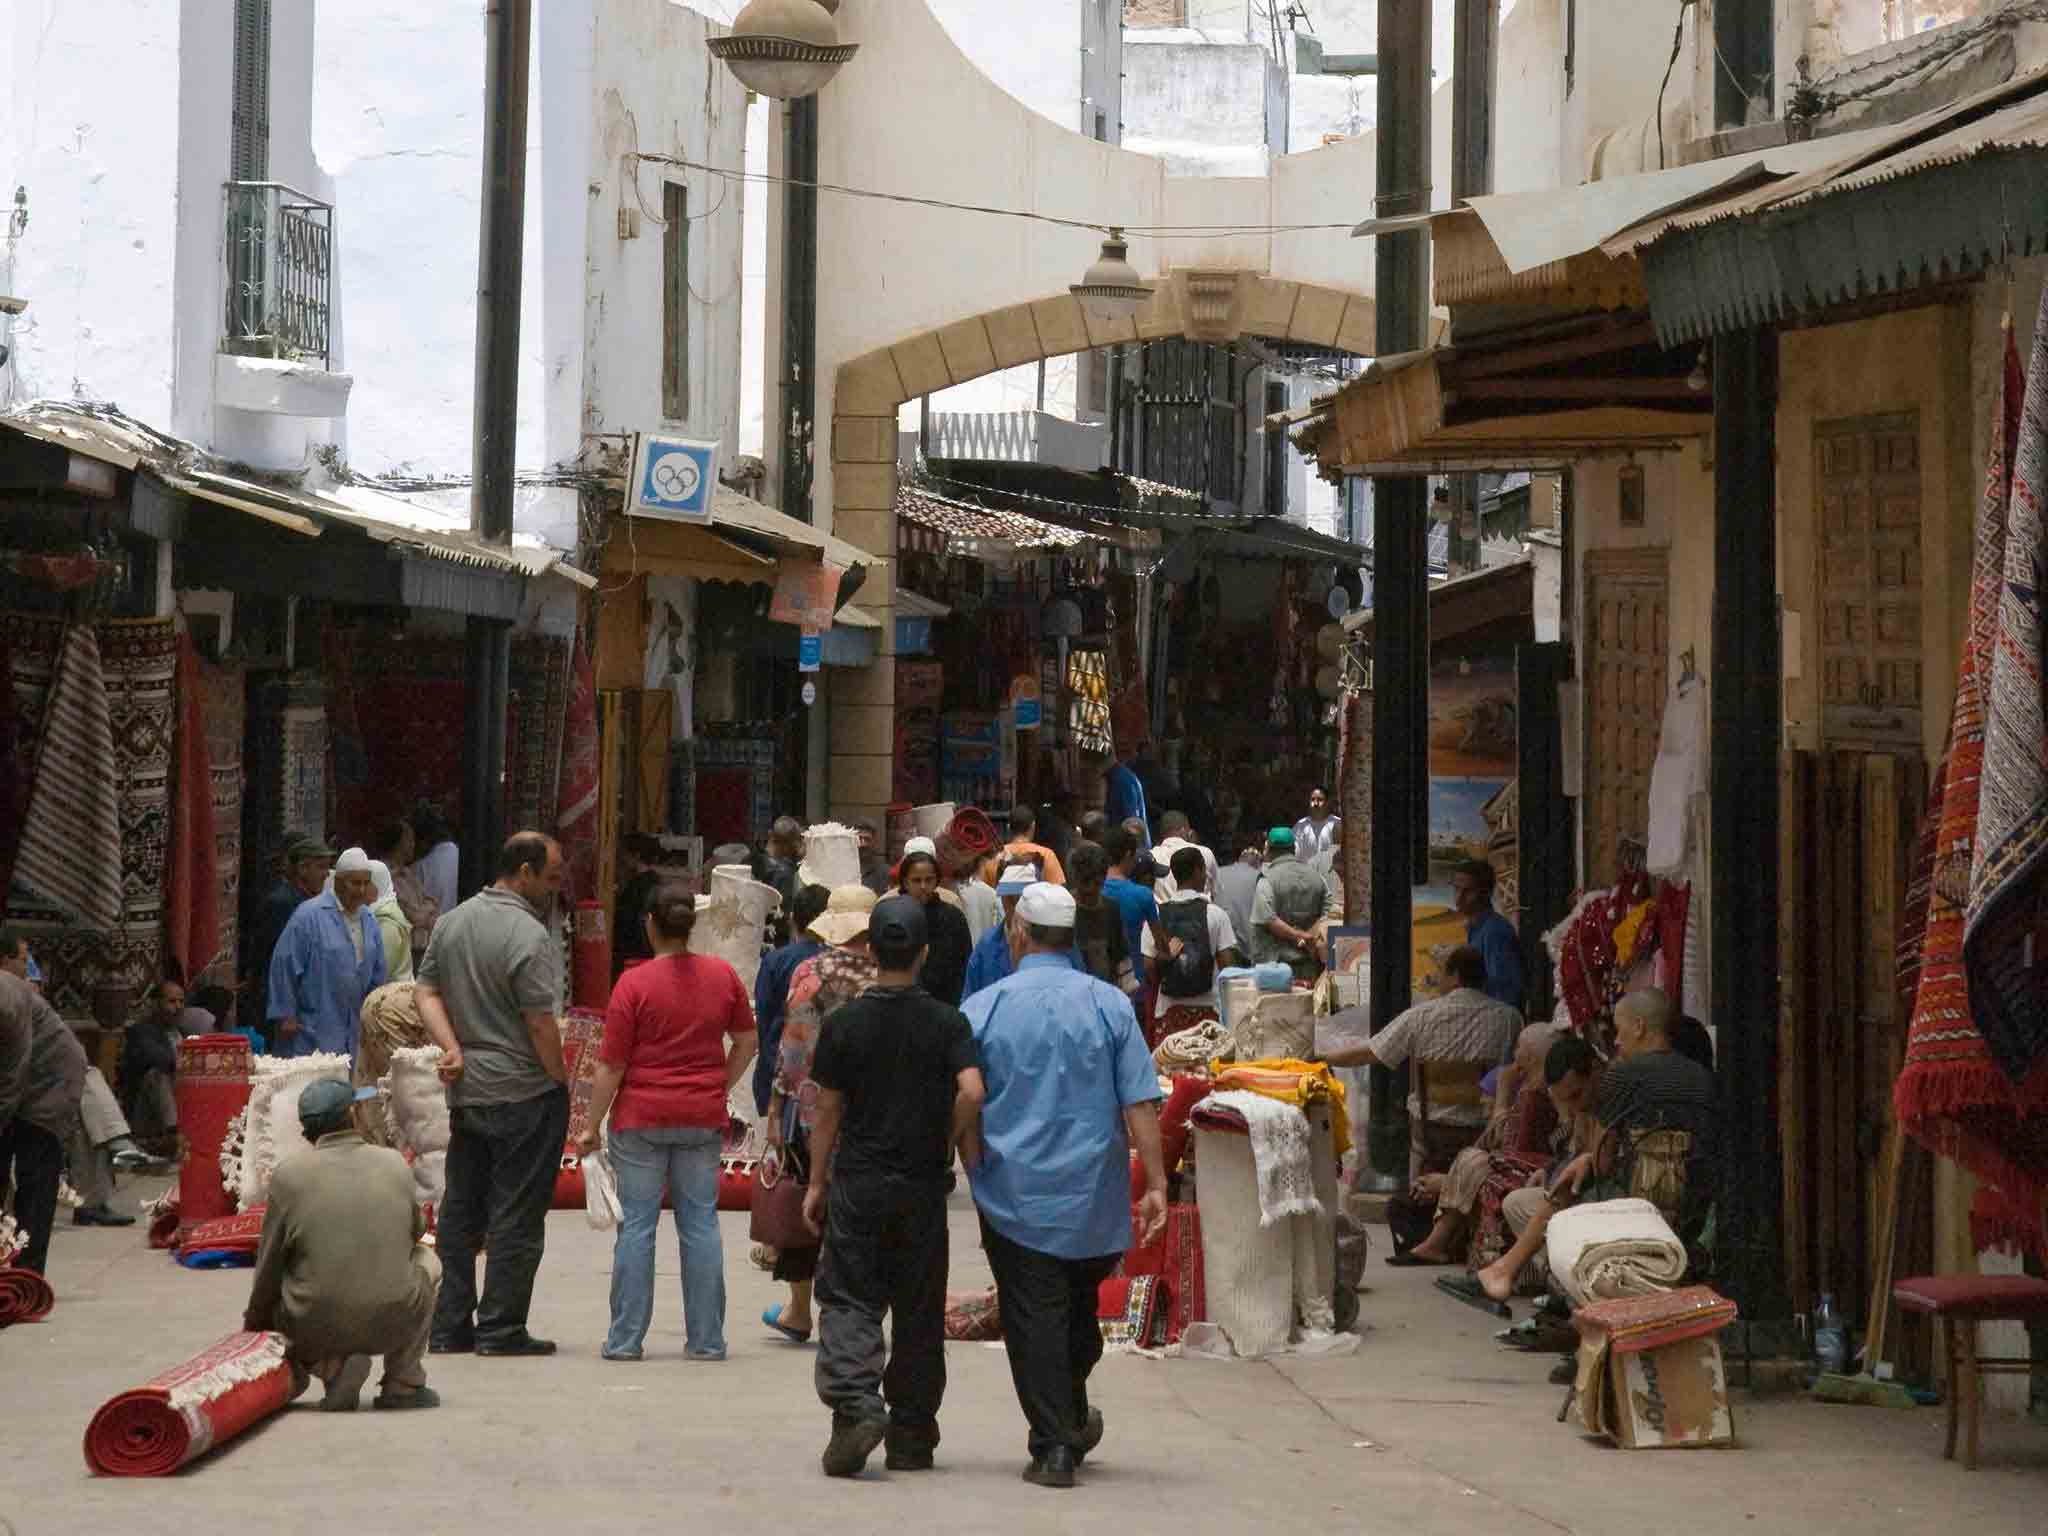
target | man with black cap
[
  {"x": 899, "y": 1088},
  {"x": 340, "y": 1271},
  {"x": 1071, "y": 1091}
]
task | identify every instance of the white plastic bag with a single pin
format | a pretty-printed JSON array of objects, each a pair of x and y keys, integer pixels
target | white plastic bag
[{"x": 600, "y": 1193}]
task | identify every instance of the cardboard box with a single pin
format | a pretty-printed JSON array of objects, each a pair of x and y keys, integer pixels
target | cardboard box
[{"x": 1674, "y": 1395}]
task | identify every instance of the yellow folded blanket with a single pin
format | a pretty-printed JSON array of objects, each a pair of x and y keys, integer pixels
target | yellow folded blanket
[{"x": 1300, "y": 1083}]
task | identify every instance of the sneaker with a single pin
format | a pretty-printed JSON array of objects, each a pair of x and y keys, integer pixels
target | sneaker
[
  {"x": 130, "y": 1158},
  {"x": 620, "y": 1354},
  {"x": 418, "y": 1397},
  {"x": 345, "y": 1386},
  {"x": 852, "y": 1442},
  {"x": 1055, "y": 1469}
]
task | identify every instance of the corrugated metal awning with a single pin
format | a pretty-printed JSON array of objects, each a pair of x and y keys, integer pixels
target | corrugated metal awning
[
  {"x": 1945, "y": 196},
  {"x": 1548, "y": 246}
]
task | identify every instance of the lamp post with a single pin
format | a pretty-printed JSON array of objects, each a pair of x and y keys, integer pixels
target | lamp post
[
  {"x": 1110, "y": 290},
  {"x": 784, "y": 48}
]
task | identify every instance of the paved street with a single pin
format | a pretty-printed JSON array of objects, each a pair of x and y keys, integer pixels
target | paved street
[{"x": 1428, "y": 1428}]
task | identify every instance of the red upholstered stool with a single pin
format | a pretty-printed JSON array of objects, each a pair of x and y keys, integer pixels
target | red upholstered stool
[{"x": 1959, "y": 1303}]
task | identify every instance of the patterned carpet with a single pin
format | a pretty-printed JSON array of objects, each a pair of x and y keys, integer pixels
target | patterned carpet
[
  {"x": 537, "y": 717},
  {"x": 223, "y": 704},
  {"x": 138, "y": 661}
]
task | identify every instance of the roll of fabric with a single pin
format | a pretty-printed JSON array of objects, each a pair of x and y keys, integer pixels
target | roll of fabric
[
  {"x": 1613, "y": 1248},
  {"x": 154, "y": 1429},
  {"x": 212, "y": 1088},
  {"x": 1248, "y": 1266},
  {"x": 223, "y": 1242},
  {"x": 25, "y": 1297}
]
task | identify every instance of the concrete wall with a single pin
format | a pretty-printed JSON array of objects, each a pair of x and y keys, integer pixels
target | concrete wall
[
  {"x": 656, "y": 88},
  {"x": 205, "y": 108},
  {"x": 398, "y": 106},
  {"x": 1205, "y": 109},
  {"x": 89, "y": 95}
]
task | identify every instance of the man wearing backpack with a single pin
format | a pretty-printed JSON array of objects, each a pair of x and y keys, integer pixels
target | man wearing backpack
[{"x": 1199, "y": 942}]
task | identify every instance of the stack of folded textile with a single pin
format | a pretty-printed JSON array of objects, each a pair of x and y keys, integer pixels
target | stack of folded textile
[{"x": 1612, "y": 1249}]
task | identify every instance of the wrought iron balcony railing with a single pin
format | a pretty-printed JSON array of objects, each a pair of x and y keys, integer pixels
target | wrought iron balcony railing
[{"x": 280, "y": 264}]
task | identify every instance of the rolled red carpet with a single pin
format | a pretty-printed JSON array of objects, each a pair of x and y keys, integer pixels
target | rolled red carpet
[
  {"x": 156, "y": 1428},
  {"x": 25, "y": 1296},
  {"x": 212, "y": 1088}
]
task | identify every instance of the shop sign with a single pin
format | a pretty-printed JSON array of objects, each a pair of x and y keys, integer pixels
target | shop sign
[
  {"x": 1024, "y": 701},
  {"x": 810, "y": 651},
  {"x": 806, "y": 593},
  {"x": 673, "y": 477}
]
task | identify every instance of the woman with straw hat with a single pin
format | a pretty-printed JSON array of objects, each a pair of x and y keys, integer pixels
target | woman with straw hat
[{"x": 821, "y": 984}]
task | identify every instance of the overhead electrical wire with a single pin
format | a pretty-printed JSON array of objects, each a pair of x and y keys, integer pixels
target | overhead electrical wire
[{"x": 1096, "y": 226}]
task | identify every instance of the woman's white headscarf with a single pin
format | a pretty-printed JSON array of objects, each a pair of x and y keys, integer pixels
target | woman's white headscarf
[{"x": 380, "y": 877}]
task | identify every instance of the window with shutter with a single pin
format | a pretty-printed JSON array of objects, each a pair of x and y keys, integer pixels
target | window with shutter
[
  {"x": 250, "y": 150},
  {"x": 675, "y": 302}
]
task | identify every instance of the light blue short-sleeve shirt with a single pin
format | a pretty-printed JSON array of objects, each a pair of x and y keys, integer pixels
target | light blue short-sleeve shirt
[{"x": 1062, "y": 1058}]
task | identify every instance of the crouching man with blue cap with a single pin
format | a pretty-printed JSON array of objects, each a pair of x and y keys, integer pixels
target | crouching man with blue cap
[{"x": 340, "y": 1271}]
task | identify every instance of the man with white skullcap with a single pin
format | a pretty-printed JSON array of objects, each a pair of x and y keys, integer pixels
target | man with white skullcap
[
  {"x": 995, "y": 952},
  {"x": 329, "y": 958},
  {"x": 1053, "y": 1182}
]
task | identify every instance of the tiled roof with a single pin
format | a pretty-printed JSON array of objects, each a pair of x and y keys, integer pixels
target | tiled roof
[{"x": 992, "y": 525}]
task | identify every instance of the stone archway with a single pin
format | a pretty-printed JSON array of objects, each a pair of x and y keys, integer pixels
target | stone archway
[{"x": 1199, "y": 304}]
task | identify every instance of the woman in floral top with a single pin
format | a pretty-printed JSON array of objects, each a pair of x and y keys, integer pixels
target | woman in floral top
[{"x": 823, "y": 983}]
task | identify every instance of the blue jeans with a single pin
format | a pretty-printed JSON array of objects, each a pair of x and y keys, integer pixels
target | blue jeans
[{"x": 684, "y": 1159}]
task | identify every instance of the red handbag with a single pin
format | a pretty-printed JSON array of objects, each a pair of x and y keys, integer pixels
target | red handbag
[{"x": 777, "y": 1207}]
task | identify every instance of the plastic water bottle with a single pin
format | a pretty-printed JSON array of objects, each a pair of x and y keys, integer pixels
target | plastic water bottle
[{"x": 1830, "y": 1338}]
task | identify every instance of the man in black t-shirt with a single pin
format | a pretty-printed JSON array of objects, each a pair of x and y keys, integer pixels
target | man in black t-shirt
[{"x": 900, "y": 1087}]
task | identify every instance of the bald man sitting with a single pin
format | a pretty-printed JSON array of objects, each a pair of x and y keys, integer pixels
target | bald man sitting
[{"x": 1647, "y": 1087}]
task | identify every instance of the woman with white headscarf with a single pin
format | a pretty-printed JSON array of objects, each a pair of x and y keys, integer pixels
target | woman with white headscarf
[{"x": 392, "y": 922}]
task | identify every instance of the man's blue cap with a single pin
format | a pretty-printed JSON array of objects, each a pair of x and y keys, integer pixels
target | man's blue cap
[{"x": 327, "y": 1097}]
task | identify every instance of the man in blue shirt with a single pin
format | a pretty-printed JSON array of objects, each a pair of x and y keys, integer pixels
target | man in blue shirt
[
  {"x": 1139, "y": 908},
  {"x": 1070, "y": 1091},
  {"x": 1488, "y": 932},
  {"x": 329, "y": 958},
  {"x": 1124, "y": 794},
  {"x": 991, "y": 960}
]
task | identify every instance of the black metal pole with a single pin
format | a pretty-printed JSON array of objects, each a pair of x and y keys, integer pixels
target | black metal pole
[
  {"x": 1400, "y": 751},
  {"x": 799, "y": 303},
  {"x": 508, "y": 36},
  {"x": 1746, "y": 696}
]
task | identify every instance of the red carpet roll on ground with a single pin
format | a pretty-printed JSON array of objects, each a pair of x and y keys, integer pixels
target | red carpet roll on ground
[
  {"x": 212, "y": 1088},
  {"x": 25, "y": 1296},
  {"x": 157, "y": 1428}
]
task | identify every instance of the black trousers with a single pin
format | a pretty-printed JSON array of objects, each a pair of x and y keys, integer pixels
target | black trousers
[
  {"x": 885, "y": 1251},
  {"x": 502, "y": 1163},
  {"x": 37, "y": 1159},
  {"x": 1048, "y": 1308}
]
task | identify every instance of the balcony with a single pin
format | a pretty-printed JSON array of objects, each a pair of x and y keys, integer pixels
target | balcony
[{"x": 275, "y": 350}]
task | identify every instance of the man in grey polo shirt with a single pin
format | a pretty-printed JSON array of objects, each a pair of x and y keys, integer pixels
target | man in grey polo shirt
[{"x": 487, "y": 993}]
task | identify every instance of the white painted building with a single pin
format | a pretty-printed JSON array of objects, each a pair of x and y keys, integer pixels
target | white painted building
[
  {"x": 119, "y": 124},
  {"x": 174, "y": 263}
]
